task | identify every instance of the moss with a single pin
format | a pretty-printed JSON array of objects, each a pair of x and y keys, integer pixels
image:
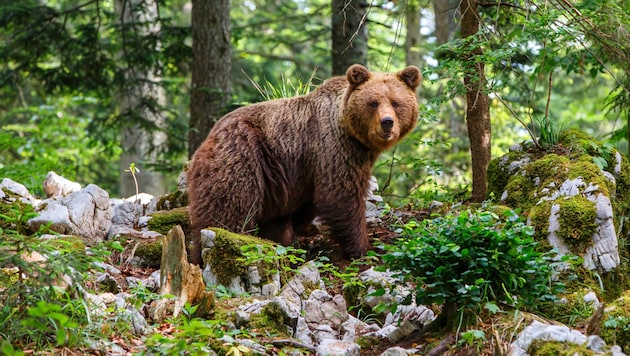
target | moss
[
  {"x": 226, "y": 257},
  {"x": 573, "y": 136},
  {"x": 577, "y": 217},
  {"x": 150, "y": 252},
  {"x": 524, "y": 190},
  {"x": 584, "y": 167},
  {"x": 557, "y": 348},
  {"x": 272, "y": 319},
  {"x": 164, "y": 221},
  {"x": 520, "y": 192},
  {"x": 539, "y": 219},
  {"x": 615, "y": 327},
  {"x": 499, "y": 174},
  {"x": 571, "y": 310},
  {"x": 176, "y": 199},
  {"x": 551, "y": 167}
]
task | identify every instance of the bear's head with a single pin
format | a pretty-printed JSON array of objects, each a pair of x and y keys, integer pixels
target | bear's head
[{"x": 380, "y": 108}]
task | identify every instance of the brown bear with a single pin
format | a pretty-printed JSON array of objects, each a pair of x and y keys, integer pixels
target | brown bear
[{"x": 278, "y": 164}]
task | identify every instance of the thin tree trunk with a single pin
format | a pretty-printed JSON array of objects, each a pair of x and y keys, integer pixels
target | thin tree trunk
[
  {"x": 211, "y": 69},
  {"x": 141, "y": 145},
  {"x": 413, "y": 38},
  {"x": 477, "y": 104},
  {"x": 349, "y": 34},
  {"x": 445, "y": 19}
]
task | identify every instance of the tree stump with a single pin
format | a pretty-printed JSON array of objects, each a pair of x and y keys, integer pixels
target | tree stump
[{"x": 182, "y": 279}]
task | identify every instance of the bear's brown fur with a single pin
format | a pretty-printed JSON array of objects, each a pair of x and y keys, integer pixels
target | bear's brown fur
[{"x": 278, "y": 164}]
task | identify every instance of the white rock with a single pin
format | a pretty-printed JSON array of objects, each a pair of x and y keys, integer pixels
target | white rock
[
  {"x": 14, "y": 188},
  {"x": 323, "y": 309},
  {"x": 85, "y": 213},
  {"x": 397, "y": 351},
  {"x": 58, "y": 186},
  {"x": 330, "y": 347}
]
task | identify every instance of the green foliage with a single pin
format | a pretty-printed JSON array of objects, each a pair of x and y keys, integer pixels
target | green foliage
[
  {"x": 549, "y": 132},
  {"x": 276, "y": 258},
  {"x": 473, "y": 337},
  {"x": 51, "y": 137},
  {"x": 38, "y": 306},
  {"x": 617, "y": 330},
  {"x": 193, "y": 337},
  {"x": 472, "y": 259}
]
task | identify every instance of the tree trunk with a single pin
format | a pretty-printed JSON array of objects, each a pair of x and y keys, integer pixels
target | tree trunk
[
  {"x": 445, "y": 19},
  {"x": 140, "y": 145},
  {"x": 349, "y": 34},
  {"x": 413, "y": 38},
  {"x": 211, "y": 69},
  {"x": 477, "y": 104}
]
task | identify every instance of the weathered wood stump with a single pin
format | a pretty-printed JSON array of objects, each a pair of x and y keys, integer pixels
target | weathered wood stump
[{"x": 182, "y": 279}]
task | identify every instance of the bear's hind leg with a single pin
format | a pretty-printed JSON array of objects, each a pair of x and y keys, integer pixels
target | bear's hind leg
[{"x": 279, "y": 230}]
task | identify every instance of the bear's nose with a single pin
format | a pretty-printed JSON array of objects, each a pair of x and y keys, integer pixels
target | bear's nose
[{"x": 387, "y": 123}]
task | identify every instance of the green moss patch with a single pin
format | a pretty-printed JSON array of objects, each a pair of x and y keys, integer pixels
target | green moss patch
[
  {"x": 173, "y": 200},
  {"x": 150, "y": 252},
  {"x": 226, "y": 257},
  {"x": 164, "y": 221},
  {"x": 557, "y": 348},
  {"x": 577, "y": 220}
]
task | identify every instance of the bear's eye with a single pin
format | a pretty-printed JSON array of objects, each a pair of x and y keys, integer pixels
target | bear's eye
[
  {"x": 373, "y": 104},
  {"x": 395, "y": 104}
]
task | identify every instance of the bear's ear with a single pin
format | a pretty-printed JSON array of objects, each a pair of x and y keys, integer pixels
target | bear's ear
[
  {"x": 411, "y": 76},
  {"x": 357, "y": 74}
]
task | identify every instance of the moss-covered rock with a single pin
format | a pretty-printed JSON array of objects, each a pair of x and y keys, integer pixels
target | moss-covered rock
[
  {"x": 149, "y": 252},
  {"x": 576, "y": 197},
  {"x": 226, "y": 263},
  {"x": 557, "y": 348},
  {"x": 176, "y": 199},
  {"x": 164, "y": 221}
]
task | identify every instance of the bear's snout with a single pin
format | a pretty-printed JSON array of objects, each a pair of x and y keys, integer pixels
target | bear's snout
[{"x": 387, "y": 123}]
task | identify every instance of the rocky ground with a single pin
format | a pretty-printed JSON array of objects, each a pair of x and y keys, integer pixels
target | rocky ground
[{"x": 309, "y": 305}]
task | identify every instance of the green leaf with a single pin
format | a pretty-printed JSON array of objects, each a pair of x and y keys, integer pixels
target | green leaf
[{"x": 491, "y": 307}]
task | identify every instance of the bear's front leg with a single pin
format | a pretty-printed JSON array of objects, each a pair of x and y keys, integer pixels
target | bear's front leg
[{"x": 344, "y": 214}]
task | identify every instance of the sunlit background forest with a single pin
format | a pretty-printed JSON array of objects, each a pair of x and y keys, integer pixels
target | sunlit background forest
[{"x": 90, "y": 86}]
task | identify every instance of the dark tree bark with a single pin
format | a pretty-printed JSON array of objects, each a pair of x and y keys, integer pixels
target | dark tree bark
[
  {"x": 211, "y": 68},
  {"x": 477, "y": 104},
  {"x": 349, "y": 34}
]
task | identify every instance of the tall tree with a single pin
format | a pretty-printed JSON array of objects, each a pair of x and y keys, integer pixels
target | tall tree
[
  {"x": 413, "y": 56},
  {"x": 349, "y": 34},
  {"x": 477, "y": 103},
  {"x": 145, "y": 136},
  {"x": 446, "y": 16},
  {"x": 211, "y": 79}
]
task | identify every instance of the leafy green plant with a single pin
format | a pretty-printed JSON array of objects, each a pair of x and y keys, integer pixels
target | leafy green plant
[
  {"x": 473, "y": 337},
  {"x": 196, "y": 337},
  {"x": 471, "y": 261},
  {"x": 41, "y": 278},
  {"x": 617, "y": 330},
  {"x": 282, "y": 259}
]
